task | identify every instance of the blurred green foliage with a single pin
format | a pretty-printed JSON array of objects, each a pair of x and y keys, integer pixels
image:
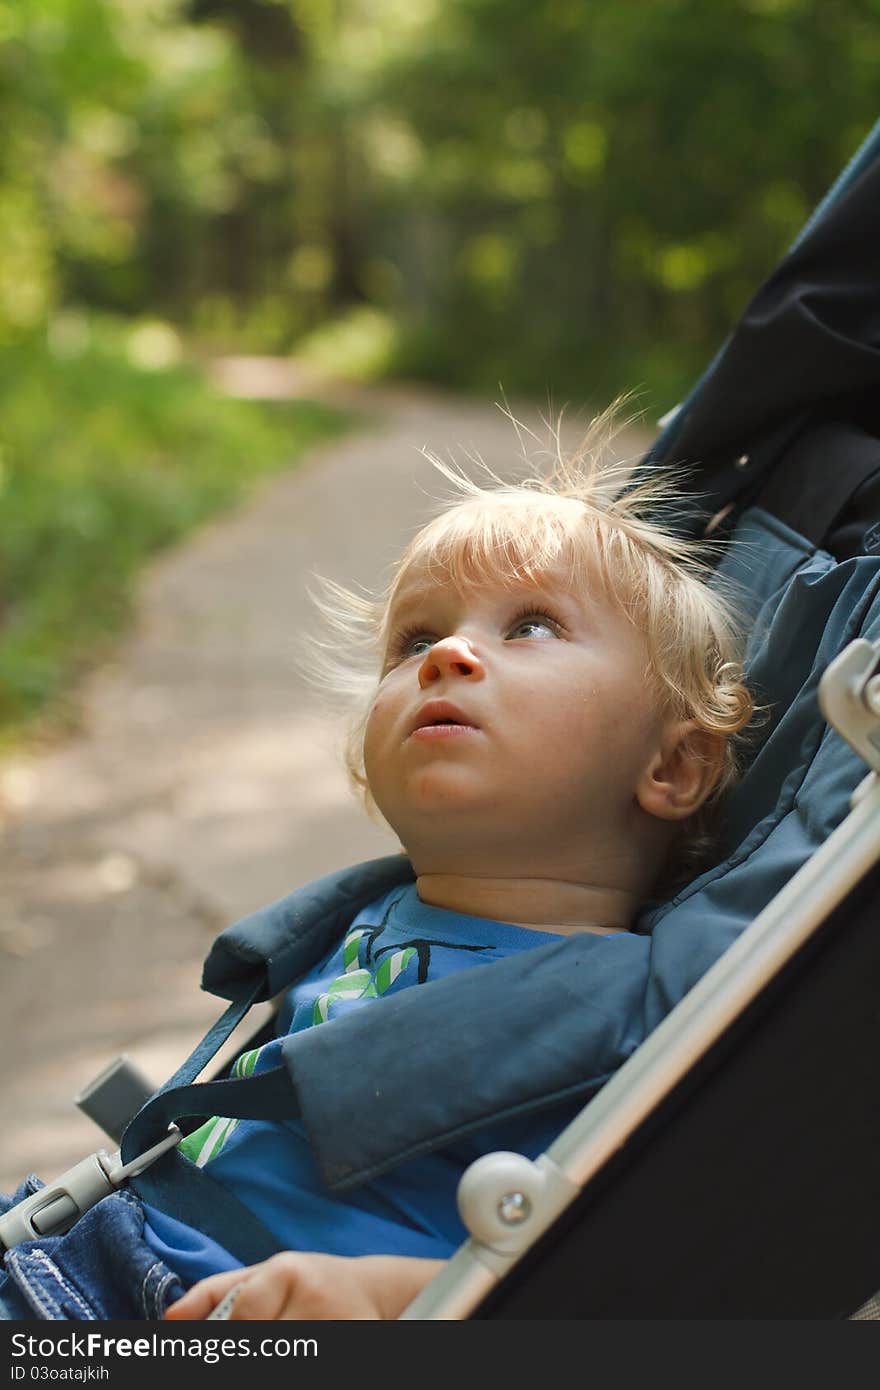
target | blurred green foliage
[
  {"x": 107, "y": 457},
  {"x": 614, "y": 180},
  {"x": 566, "y": 197}
]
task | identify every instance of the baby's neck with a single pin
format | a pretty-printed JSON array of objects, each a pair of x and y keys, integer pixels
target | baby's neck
[{"x": 541, "y": 904}]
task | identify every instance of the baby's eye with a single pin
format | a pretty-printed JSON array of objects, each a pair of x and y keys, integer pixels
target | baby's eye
[
  {"x": 409, "y": 644},
  {"x": 535, "y": 625},
  {"x": 417, "y": 646}
]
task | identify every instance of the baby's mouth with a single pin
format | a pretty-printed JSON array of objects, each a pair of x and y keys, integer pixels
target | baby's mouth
[
  {"x": 442, "y": 728},
  {"x": 440, "y": 718}
]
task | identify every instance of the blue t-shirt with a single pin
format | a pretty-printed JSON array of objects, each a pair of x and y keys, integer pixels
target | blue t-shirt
[{"x": 394, "y": 943}]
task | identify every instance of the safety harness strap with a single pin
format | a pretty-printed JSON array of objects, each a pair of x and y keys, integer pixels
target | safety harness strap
[
  {"x": 247, "y": 991},
  {"x": 270, "y": 1095},
  {"x": 178, "y": 1187}
]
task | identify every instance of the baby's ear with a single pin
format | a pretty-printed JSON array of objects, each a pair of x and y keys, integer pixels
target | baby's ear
[{"x": 682, "y": 773}]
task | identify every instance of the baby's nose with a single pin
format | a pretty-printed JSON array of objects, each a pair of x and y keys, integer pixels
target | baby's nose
[{"x": 451, "y": 656}]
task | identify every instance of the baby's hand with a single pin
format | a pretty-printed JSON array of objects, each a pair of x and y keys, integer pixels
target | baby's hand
[{"x": 312, "y": 1287}]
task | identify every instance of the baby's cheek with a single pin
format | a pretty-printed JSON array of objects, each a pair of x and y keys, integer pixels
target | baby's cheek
[
  {"x": 372, "y": 735},
  {"x": 595, "y": 727},
  {"x": 579, "y": 714},
  {"x": 380, "y": 712},
  {"x": 379, "y": 728}
]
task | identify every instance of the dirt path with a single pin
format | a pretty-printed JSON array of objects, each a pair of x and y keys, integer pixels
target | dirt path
[{"x": 206, "y": 781}]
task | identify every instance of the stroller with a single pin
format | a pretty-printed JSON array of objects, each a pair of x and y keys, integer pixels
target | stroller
[{"x": 727, "y": 1167}]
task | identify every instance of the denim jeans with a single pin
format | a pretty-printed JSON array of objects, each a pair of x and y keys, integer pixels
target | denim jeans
[{"x": 100, "y": 1269}]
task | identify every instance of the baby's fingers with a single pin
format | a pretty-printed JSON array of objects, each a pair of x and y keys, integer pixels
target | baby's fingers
[
  {"x": 266, "y": 1293},
  {"x": 300, "y": 1286},
  {"x": 203, "y": 1297},
  {"x": 289, "y": 1285}
]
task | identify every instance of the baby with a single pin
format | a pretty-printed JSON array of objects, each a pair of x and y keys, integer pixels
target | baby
[
  {"x": 548, "y": 696},
  {"x": 554, "y": 716}
]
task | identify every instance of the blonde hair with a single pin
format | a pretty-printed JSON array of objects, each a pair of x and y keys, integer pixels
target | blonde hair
[{"x": 587, "y": 512}]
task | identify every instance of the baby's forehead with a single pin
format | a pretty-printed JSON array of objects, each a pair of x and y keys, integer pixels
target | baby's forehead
[
  {"x": 425, "y": 578},
  {"x": 510, "y": 542}
]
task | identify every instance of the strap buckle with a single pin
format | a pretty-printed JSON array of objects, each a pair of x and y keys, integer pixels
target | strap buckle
[{"x": 58, "y": 1205}]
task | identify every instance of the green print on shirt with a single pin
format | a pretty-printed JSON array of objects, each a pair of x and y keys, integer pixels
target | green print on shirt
[
  {"x": 206, "y": 1142},
  {"x": 357, "y": 983},
  {"x": 360, "y": 982}
]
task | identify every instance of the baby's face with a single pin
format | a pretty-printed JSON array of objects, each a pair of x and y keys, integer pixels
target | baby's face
[{"x": 515, "y": 716}]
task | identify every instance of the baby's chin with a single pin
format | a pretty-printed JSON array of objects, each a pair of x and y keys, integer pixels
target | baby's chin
[
  {"x": 438, "y": 789},
  {"x": 452, "y": 832}
]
